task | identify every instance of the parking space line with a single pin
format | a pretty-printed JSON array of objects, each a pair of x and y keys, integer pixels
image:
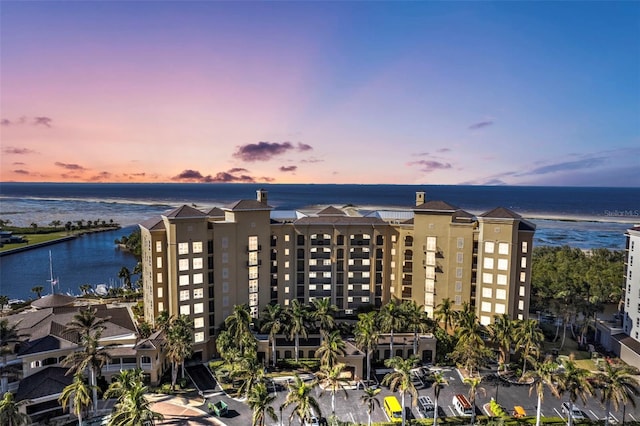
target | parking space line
[
  {"x": 595, "y": 416},
  {"x": 631, "y": 415},
  {"x": 559, "y": 415},
  {"x": 453, "y": 413}
]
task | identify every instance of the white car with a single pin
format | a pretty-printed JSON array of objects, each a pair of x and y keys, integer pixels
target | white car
[{"x": 576, "y": 413}]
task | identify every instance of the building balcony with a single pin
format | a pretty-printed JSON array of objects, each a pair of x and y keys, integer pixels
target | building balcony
[{"x": 323, "y": 242}]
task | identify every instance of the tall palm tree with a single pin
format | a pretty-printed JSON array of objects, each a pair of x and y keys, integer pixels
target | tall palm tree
[
  {"x": 331, "y": 348},
  {"x": 179, "y": 344},
  {"x": 323, "y": 312},
  {"x": 260, "y": 402},
  {"x": 297, "y": 318},
  {"x": 502, "y": 332},
  {"x": 299, "y": 396},
  {"x": 391, "y": 320},
  {"x": 37, "y": 290},
  {"x": 78, "y": 395},
  {"x": 239, "y": 324},
  {"x": 573, "y": 381},
  {"x": 529, "y": 339},
  {"x": 134, "y": 409},
  {"x": 367, "y": 335},
  {"x": 618, "y": 385},
  {"x": 9, "y": 337},
  {"x": 444, "y": 313},
  {"x": 10, "y": 413},
  {"x": 249, "y": 370},
  {"x": 125, "y": 274},
  {"x": 369, "y": 398},
  {"x": 438, "y": 383},
  {"x": 92, "y": 358},
  {"x": 400, "y": 379},
  {"x": 123, "y": 383},
  {"x": 272, "y": 316},
  {"x": 542, "y": 375},
  {"x": 416, "y": 319},
  {"x": 468, "y": 327},
  {"x": 86, "y": 324},
  {"x": 474, "y": 386},
  {"x": 330, "y": 378}
]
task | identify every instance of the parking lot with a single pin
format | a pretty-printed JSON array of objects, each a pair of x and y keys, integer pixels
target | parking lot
[{"x": 508, "y": 395}]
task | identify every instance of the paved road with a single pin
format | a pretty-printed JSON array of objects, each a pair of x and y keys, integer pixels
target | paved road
[{"x": 352, "y": 409}]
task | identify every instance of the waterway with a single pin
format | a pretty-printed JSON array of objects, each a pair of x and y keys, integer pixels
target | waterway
[{"x": 89, "y": 259}]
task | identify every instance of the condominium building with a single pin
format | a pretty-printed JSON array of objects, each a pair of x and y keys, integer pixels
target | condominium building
[
  {"x": 627, "y": 344},
  {"x": 201, "y": 264}
]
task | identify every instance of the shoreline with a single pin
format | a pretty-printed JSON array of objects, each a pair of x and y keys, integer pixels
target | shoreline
[{"x": 28, "y": 246}]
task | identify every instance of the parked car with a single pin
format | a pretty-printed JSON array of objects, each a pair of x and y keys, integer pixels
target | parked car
[
  {"x": 312, "y": 421},
  {"x": 576, "y": 413},
  {"x": 425, "y": 406}
]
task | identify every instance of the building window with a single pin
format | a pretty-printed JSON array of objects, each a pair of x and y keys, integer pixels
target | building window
[
  {"x": 197, "y": 263},
  {"x": 198, "y": 336},
  {"x": 431, "y": 243},
  {"x": 198, "y": 322},
  {"x": 159, "y": 277},
  {"x": 198, "y": 278},
  {"x": 522, "y": 290},
  {"x": 184, "y": 295},
  {"x": 460, "y": 257},
  {"x": 253, "y": 272},
  {"x": 431, "y": 258},
  {"x": 198, "y": 293},
  {"x": 523, "y": 277},
  {"x": 286, "y": 238},
  {"x": 489, "y": 246},
  {"x": 197, "y": 246},
  {"x": 487, "y": 292},
  {"x": 183, "y": 264},
  {"x": 225, "y": 286},
  {"x": 253, "y": 258},
  {"x": 159, "y": 292},
  {"x": 503, "y": 248},
  {"x": 501, "y": 279},
  {"x": 458, "y": 300},
  {"x": 183, "y": 248},
  {"x": 287, "y": 277},
  {"x": 160, "y": 307},
  {"x": 488, "y": 263},
  {"x": 365, "y": 299},
  {"x": 158, "y": 246},
  {"x": 185, "y": 310},
  {"x": 225, "y": 242},
  {"x": 458, "y": 272},
  {"x": 198, "y": 308},
  {"x": 501, "y": 294},
  {"x": 487, "y": 278},
  {"x": 523, "y": 262},
  {"x": 460, "y": 242},
  {"x": 158, "y": 262},
  {"x": 253, "y": 243},
  {"x": 183, "y": 280},
  {"x": 225, "y": 273},
  {"x": 503, "y": 264},
  {"x": 525, "y": 246},
  {"x": 486, "y": 307},
  {"x": 500, "y": 308},
  {"x": 225, "y": 257},
  {"x": 458, "y": 285}
]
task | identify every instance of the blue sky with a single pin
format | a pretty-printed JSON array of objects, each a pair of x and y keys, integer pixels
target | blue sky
[{"x": 521, "y": 93}]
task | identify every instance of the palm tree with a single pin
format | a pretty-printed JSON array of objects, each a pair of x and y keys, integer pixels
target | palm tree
[
  {"x": 416, "y": 319},
  {"x": 367, "y": 337},
  {"x": 438, "y": 383},
  {"x": 260, "y": 402},
  {"x": 78, "y": 395},
  {"x": 502, "y": 333},
  {"x": 330, "y": 377},
  {"x": 331, "y": 348},
  {"x": 304, "y": 404},
  {"x": 323, "y": 312},
  {"x": 391, "y": 319},
  {"x": 369, "y": 399},
  {"x": 123, "y": 383},
  {"x": 529, "y": 338},
  {"x": 248, "y": 369},
  {"x": 272, "y": 323},
  {"x": 573, "y": 381},
  {"x": 125, "y": 274},
  {"x": 10, "y": 413},
  {"x": 37, "y": 290},
  {"x": 134, "y": 409},
  {"x": 474, "y": 383},
  {"x": 400, "y": 379},
  {"x": 9, "y": 337},
  {"x": 86, "y": 323},
  {"x": 85, "y": 288},
  {"x": 542, "y": 375},
  {"x": 618, "y": 385},
  {"x": 444, "y": 313},
  {"x": 179, "y": 344},
  {"x": 297, "y": 318},
  {"x": 239, "y": 324}
]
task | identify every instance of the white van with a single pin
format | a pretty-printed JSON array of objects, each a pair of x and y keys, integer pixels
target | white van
[{"x": 462, "y": 405}]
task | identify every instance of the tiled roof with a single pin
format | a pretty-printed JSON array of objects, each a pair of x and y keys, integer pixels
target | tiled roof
[
  {"x": 50, "y": 381},
  {"x": 331, "y": 211},
  {"x": 154, "y": 223},
  {"x": 185, "y": 212},
  {"x": 628, "y": 341},
  {"x": 461, "y": 216},
  {"x": 248, "y": 205},
  {"x": 52, "y": 301},
  {"x": 216, "y": 212},
  {"x": 45, "y": 344},
  {"x": 339, "y": 220},
  {"x": 501, "y": 213},
  {"x": 436, "y": 205}
]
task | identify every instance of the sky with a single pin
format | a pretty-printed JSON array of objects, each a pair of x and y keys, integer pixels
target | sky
[{"x": 481, "y": 93}]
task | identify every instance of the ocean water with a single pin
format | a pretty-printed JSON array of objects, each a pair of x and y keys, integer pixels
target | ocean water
[{"x": 579, "y": 217}]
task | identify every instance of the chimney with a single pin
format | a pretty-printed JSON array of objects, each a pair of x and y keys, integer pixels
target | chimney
[
  {"x": 262, "y": 195},
  {"x": 419, "y": 198}
]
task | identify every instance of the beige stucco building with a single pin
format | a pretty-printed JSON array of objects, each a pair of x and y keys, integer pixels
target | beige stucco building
[{"x": 201, "y": 264}]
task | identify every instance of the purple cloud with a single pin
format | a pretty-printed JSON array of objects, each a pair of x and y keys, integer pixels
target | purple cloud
[
  {"x": 21, "y": 172},
  {"x": 220, "y": 177},
  {"x": 288, "y": 168},
  {"x": 566, "y": 165},
  {"x": 17, "y": 151},
  {"x": 100, "y": 176},
  {"x": 237, "y": 170},
  {"x": 428, "y": 166},
  {"x": 264, "y": 151},
  {"x": 69, "y": 166},
  {"x": 5, "y": 122},
  {"x": 45, "y": 121},
  {"x": 481, "y": 124},
  {"x": 443, "y": 150}
]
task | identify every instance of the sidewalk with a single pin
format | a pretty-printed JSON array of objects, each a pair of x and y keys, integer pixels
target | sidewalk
[{"x": 181, "y": 411}]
